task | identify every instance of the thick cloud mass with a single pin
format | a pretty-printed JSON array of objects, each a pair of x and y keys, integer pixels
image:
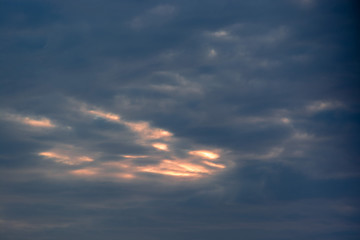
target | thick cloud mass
[{"x": 179, "y": 120}]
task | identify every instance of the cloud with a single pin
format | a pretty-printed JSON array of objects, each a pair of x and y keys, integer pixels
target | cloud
[
  {"x": 319, "y": 106},
  {"x": 205, "y": 154},
  {"x": 33, "y": 122},
  {"x": 44, "y": 122},
  {"x": 66, "y": 159},
  {"x": 212, "y": 53},
  {"x": 179, "y": 120},
  {"x": 220, "y": 33},
  {"x": 161, "y": 146},
  {"x": 177, "y": 84},
  {"x": 107, "y": 116},
  {"x": 172, "y": 159},
  {"x": 142, "y": 128}
]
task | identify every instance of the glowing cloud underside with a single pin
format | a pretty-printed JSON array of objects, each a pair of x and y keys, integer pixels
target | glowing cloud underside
[
  {"x": 44, "y": 122},
  {"x": 84, "y": 172},
  {"x": 147, "y": 132},
  {"x": 108, "y": 116},
  {"x": 205, "y": 154},
  {"x": 35, "y": 122},
  {"x": 135, "y": 156},
  {"x": 161, "y": 146},
  {"x": 53, "y": 155},
  {"x": 128, "y": 169},
  {"x": 169, "y": 160},
  {"x": 214, "y": 164},
  {"x": 66, "y": 159},
  {"x": 142, "y": 128},
  {"x": 177, "y": 168}
]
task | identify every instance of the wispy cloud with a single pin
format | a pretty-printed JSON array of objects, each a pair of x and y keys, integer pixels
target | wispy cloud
[
  {"x": 67, "y": 154},
  {"x": 205, "y": 154},
  {"x": 319, "y": 106},
  {"x": 161, "y": 146},
  {"x": 171, "y": 158},
  {"x": 33, "y": 121},
  {"x": 179, "y": 120}
]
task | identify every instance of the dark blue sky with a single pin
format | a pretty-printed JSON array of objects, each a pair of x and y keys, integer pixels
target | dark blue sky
[{"x": 198, "y": 120}]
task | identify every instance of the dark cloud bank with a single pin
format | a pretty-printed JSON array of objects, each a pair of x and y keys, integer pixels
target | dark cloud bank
[{"x": 179, "y": 120}]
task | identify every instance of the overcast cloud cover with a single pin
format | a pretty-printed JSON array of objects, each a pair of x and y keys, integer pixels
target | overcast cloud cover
[{"x": 199, "y": 120}]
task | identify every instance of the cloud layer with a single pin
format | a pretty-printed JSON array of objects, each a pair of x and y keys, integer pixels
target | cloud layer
[{"x": 179, "y": 120}]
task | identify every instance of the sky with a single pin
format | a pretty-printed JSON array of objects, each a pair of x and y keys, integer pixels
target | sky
[{"x": 197, "y": 120}]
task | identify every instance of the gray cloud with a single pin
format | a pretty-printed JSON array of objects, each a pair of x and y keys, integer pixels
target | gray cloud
[{"x": 87, "y": 88}]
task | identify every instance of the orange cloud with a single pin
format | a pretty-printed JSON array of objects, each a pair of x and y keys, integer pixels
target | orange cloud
[
  {"x": 135, "y": 156},
  {"x": 125, "y": 176},
  {"x": 43, "y": 122},
  {"x": 205, "y": 154},
  {"x": 66, "y": 158},
  {"x": 161, "y": 146},
  {"x": 30, "y": 121},
  {"x": 171, "y": 173},
  {"x": 109, "y": 116},
  {"x": 85, "y": 159},
  {"x": 177, "y": 168},
  {"x": 85, "y": 172},
  {"x": 198, "y": 165},
  {"x": 214, "y": 164},
  {"x": 53, "y": 155},
  {"x": 147, "y": 132}
]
